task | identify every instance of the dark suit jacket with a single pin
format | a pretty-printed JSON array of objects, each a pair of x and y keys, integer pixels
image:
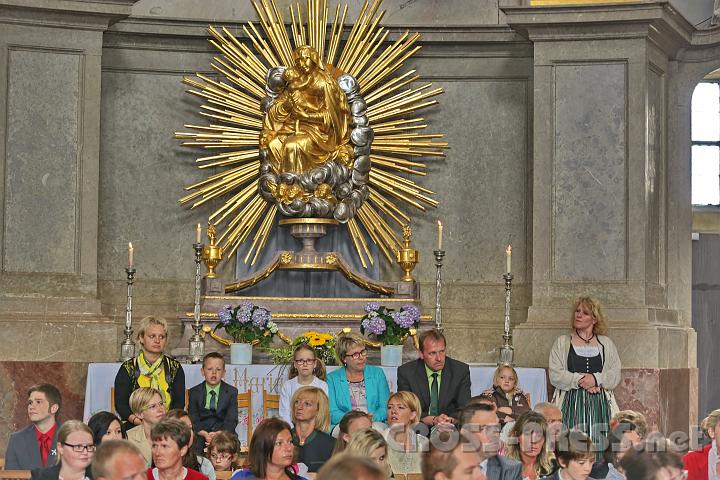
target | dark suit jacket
[
  {"x": 52, "y": 473},
  {"x": 23, "y": 451},
  {"x": 225, "y": 418},
  {"x": 503, "y": 468},
  {"x": 454, "y": 385}
]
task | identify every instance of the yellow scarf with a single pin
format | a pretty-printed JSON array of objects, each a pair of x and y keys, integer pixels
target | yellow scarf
[{"x": 153, "y": 376}]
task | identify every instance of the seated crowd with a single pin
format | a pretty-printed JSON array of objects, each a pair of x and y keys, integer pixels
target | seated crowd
[{"x": 346, "y": 425}]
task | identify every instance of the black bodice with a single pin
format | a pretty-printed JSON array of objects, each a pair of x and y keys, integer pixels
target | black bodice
[{"x": 579, "y": 364}]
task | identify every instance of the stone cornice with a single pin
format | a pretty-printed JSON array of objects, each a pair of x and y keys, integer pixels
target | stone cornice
[
  {"x": 450, "y": 34},
  {"x": 659, "y": 22},
  {"x": 76, "y": 14}
]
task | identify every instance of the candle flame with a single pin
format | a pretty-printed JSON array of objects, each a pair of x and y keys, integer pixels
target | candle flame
[
  {"x": 508, "y": 250},
  {"x": 439, "y": 224},
  {"x": 130, "y": 245}
]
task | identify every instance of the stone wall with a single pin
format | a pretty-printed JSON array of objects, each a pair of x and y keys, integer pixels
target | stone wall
[{"x": 568, "y": 133}]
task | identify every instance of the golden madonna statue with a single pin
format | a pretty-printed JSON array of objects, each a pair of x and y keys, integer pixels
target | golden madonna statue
[
  {"x": 315, "y": 140},
  {"x": 308, "y": 123}
]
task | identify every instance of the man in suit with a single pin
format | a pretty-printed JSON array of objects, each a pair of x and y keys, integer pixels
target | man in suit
[
  {"x": 118, "y": 460},
  {"x": 35, "y": 446},
  {"x": 212, "y": 405},
  {"x": 461, "y": 461},
  {"x": 481, "y": 421},
  {"x": 441, "y": 383}
]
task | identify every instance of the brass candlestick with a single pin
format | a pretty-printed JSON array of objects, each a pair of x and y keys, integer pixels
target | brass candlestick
[
  {"x": 211, "y": 254},
  {"x": 407, "y": 257},
  {"x": 127, "y": 347}
]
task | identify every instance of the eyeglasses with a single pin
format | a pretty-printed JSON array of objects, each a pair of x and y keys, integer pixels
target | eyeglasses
[
  {"x": 358, "y": 355},
  {"x": 154, "y": 406},
  {"x": 219, "y": 457},
  {"x": 305, "y": 361},
  {"x": 79, "y": 448}
]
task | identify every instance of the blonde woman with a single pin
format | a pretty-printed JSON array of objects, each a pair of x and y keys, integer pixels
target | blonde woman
[
  {"x": 370, "y": 444},
  {"x": 527, "y": 443},
  {"x": 696, "y": 463},
  {"x": 405, "y": 447},
  {"x": 311, "y": 419},
  {"x": 151, "y": 368},
  {"x": 75, "y": 449},
  {"x": 584, "y": 369},
  {"x": 147, "y": 404},
  {"x": 357, "y": 385}
]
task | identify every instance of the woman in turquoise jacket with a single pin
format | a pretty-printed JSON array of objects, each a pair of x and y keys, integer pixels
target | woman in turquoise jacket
[{"x": 356, "y": 386}]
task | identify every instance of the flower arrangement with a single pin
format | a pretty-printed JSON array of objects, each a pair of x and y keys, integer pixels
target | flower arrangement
[
  {"x": 322, "y": 343},
  {"x": 387, "y": 325},
  {"x": 247, "y": 323}
]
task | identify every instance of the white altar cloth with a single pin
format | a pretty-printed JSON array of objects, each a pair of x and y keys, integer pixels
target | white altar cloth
[{"x": 257, "y": 378}]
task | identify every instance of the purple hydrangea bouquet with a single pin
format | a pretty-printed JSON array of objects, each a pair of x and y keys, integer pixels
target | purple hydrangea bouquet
[
  {"x": 247, "y": 323},
  {"x": 387, "y": 325}
]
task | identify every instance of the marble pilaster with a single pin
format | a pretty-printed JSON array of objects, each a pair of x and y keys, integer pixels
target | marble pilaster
[{"x": 604, "y": 206}]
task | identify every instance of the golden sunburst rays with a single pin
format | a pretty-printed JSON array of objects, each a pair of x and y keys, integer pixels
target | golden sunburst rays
[{"x": 232, "y": 108}]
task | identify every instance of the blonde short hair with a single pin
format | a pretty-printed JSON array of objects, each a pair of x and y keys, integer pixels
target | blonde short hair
[
  {"x": 593, "y": 305},
  {"x": 631, "y": 417},
  {"x": 146, "y": 322},
  {"x": 140, "y": 399},
  {"x": 410, "y": 400},
  {"x": 710, "y": 422},
  {"x": 322, "y": 417},
  {"x": 71, "y": 426},
  {"x": 364, "y": 442},
  {"x": 345, "y": 342}
]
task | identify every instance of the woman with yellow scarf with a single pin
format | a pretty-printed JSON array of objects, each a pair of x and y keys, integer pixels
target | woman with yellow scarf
[{"x": 151, "y": 368}]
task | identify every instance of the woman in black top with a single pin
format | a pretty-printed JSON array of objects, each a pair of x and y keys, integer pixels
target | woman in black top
[
  {"x": 150, "y": 368},
  {"x": 311, "y": 416}
]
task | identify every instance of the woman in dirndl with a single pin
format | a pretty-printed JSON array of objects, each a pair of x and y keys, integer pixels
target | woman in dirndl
[{"x": 584, "y": 369}]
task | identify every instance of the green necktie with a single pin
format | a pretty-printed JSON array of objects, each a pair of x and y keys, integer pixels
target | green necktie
[
  {"x": 434, "y": 395},
  {"x": 213, "y": 400}
]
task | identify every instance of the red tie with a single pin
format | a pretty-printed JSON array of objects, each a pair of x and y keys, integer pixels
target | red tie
[{"x": 44, "y": 447}]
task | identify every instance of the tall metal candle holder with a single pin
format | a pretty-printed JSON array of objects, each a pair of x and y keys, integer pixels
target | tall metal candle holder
[
  {"x": 127, "y": 347},
  {"x": 507, "y": 352},
  {"x": 197, "y": 342},
  {"x": 439, "y": 254}
]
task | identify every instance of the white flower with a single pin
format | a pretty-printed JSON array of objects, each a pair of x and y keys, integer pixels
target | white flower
[{"x": 272, "y": 326}]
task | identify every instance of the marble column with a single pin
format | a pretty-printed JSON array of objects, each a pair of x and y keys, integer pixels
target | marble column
[
  {"x": 607, "y": 218},
  {"x": 50, "y": 53}
]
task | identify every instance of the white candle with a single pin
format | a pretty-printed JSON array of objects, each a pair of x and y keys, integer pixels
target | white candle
[
  {"x": 198, "y": 233},
  {"x": 508, "y": 258},
  {"x": 130, "y": 255},
  {"x": 440, "y": 229}
]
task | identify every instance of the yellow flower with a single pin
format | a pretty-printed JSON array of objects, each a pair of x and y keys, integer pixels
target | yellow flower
[{"x": 315, "y": 341}]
